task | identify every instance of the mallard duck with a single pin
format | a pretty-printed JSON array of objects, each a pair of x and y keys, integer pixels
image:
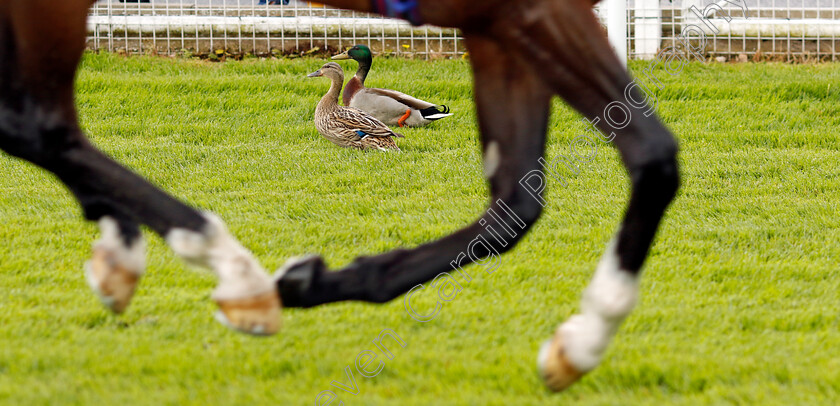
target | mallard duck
[
  {"x": 390, "y": 106},
  {"x": 347, "y": 126}
]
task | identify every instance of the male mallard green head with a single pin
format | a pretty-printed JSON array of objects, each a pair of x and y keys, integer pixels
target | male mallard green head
[
  {"x": 358, "y": 53},
  {"x": 331, "y": 70}
]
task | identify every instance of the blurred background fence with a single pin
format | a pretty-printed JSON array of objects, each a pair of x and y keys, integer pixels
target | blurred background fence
[{"x": 790, "y": 30}]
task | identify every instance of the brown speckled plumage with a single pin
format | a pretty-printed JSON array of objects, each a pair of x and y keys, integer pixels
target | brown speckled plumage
[{"x": 341, "y": 125}]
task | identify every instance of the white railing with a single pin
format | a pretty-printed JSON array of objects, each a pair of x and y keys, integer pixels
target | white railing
[
  {"x": 247, "y": 27},
  {"x": 774, "y": 29},
  {"x": 790, "y": 30}
]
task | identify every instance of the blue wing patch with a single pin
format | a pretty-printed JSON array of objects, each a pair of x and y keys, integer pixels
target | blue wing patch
[{"x": 362, "y": 134}]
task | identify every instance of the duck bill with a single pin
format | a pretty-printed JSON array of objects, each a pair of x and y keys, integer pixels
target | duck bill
[
  {"x": 341, "y": 56},
  {"x": 315, "y": 74}
]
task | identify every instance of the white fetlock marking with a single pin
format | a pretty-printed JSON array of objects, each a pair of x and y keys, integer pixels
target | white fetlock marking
[
  {"x": 609, "y": 298},
  {"x": 239, "y": 273},
  {"x": 133, "y": 257}
]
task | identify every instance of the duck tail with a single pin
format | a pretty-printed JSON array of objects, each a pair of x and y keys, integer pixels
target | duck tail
[{"x": 435, "y": 112}]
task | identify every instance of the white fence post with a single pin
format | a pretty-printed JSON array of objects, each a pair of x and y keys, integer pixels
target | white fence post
[
  {"x": 648, "y": 28},
  {"x": 617, "y": 27}
]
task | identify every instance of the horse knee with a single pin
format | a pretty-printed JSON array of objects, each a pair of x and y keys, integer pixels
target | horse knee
[
  {"x": 526, "y": 207},
  {"x": 509, "y": 218},
  {"x": 658, "y": 179},
  {"x": 39, "y": 135}
]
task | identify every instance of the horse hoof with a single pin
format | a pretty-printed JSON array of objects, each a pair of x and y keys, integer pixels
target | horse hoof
[
  {"x": 258, "y": 315},
  {"x": 555, "y": 369},
  {"x": 112, "y": 282}
]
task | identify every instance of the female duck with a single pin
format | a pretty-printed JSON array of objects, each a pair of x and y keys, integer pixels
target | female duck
[
  {"x": 390, "y": 106},
  {"x": 347, "y": 126}
]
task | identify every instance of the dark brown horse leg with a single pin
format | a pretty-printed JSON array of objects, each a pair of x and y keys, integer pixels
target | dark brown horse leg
[
  {"x": 40, "y": 46},
  {"x": 562, "y": 39},
  {"x": 513, "y": 106}
]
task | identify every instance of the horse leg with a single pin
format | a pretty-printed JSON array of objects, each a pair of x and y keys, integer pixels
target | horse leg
[
  {"x": 513, "y": 106},
  {"x": 40, "y": 46},
  {"x": 565, "y": 41},
  {"x": 118, "y": 257}
]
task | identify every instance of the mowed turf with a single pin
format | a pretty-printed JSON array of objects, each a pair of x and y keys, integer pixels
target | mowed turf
[{"x": 739, "y": 302}]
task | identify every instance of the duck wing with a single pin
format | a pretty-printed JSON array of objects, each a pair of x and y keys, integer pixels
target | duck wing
[
  {"x": 361, "y": 123},
  {"x": 403, "y": 98}
]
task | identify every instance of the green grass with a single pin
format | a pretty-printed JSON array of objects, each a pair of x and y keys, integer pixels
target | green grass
[{"x": 739, "y": 300}]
